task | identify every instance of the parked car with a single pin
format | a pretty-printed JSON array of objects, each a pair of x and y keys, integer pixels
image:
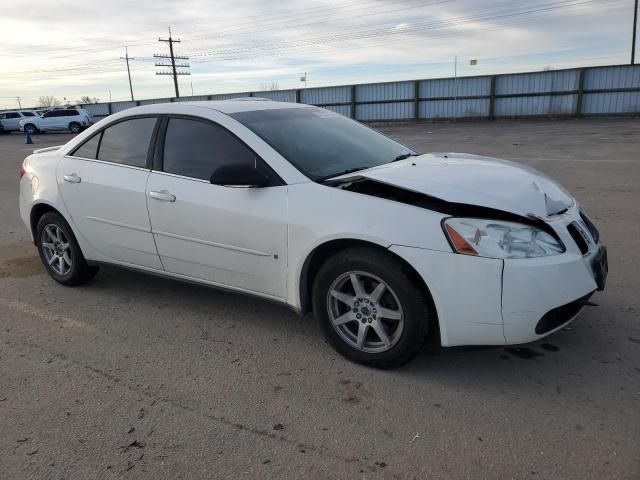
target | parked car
[
  {"x": 303, "y": 206},
  {"x": 70, "y": 119},
  {"x": 10, "y": 121}
]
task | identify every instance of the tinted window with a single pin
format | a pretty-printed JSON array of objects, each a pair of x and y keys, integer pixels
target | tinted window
[
  {"x": 69, "y": 113},
  {"x": 127, "y": 142},
  {"x": 13, "y": 115},
  {"x": 321, "y": 143},
  {"x": 88, "y": 149},
  {"x": 195, "y": 149},
  {"x": 50, "y": 114},
  {"x": 27, "y": 114}
]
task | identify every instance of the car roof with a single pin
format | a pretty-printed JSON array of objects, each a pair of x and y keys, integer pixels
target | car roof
[{"x": 230, "y": 106}]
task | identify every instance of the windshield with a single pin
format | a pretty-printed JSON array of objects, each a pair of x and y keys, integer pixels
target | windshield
[{"x": 320, "y": 143}]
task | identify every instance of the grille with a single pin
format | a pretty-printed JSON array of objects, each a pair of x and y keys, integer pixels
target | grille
[
  {"x": 578, "y": 238},
  {"x": 590, "y": 226}
]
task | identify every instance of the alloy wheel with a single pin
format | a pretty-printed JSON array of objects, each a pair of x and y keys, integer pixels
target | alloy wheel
[
  {"x": 365, "y": 312},
  {"x": 56, "y": 249}
]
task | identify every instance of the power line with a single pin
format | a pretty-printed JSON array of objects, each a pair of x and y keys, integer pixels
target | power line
[
  {"x": 275, "y": 25},
  {"x": 272, "y": 48},
  {"x": 247, "y": 51},
  {"x": 231, "y": 51},
  {"x": 262, "y": 17},
  {"x": 173, "y": 58}
]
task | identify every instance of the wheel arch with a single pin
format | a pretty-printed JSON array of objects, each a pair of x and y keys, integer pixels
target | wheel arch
[
  {"x": 37, "y": 211},
  {"x": 324, "y": 251}
]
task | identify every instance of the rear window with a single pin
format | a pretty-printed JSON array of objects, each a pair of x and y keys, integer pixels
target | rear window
[
  {"x": 28, "y": 114},
  {"x": 88, "y": 149},
  {"x": 127, "y": 142}
]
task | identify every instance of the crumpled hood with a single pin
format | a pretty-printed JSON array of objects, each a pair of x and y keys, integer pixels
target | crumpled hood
[{"x": 475, "y": 180}]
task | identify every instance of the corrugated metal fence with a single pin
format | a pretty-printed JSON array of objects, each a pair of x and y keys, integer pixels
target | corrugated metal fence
[{"x": 612, "y": 90}]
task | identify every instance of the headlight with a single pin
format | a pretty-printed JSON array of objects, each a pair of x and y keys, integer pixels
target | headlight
[{"x": 498, "y": 239}]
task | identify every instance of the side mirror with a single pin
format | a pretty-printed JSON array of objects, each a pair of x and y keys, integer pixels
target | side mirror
[{"x": 239, "y": 175}]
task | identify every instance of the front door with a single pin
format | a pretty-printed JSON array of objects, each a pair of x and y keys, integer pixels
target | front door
[
  {"x": 104, "y": 191},
  {"x": 50, "y": 120},
  {"x": 235, "y": 237}
]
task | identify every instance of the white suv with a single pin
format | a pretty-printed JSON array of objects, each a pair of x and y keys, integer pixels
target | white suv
[
  {"x": 10, "y": 121},
  {"x": 70, "y": 119}
]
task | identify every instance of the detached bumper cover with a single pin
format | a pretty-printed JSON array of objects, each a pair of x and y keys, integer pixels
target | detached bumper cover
[
  {"x": 483, "y": 301},
  {"x": 466, "y": 292},
  {"x": 534, "y": 287}
]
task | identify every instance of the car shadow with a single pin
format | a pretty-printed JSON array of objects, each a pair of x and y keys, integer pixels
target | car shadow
[{"x": 567, "y": 353}]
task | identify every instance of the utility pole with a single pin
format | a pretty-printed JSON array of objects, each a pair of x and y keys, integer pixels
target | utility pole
[
  {"x": 127, "y": 58},
  {"x": 173, "y": 59},
  {"x": 635, "y": 29}
]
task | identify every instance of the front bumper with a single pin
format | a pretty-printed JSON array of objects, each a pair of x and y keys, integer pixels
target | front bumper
[
  {"x": 484, "y": 301},
  {"x": 534, "y": 288}
]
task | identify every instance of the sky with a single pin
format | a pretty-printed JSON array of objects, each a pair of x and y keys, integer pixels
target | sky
[{"x": 71, "y": 49}]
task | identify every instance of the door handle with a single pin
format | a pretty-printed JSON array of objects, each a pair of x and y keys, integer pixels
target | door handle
[
  {"x": 73, "y": 178},
  {"x": 163, "y": 196}
]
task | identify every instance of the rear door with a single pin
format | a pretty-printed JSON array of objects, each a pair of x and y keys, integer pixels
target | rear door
[
  {"x": 103, "y": 186},
  {"x": 12, "y": 121},
  {"x": 235, "y": 237},
  {"x": 67, "y": 117}
]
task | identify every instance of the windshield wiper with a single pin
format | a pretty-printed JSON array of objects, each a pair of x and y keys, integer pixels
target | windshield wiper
[
  {"x": 344, "y": 172},
  {"x": 404, "y": 156}
]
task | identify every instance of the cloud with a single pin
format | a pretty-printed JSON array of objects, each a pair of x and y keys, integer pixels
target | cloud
[{"x": 70, "y": 49}]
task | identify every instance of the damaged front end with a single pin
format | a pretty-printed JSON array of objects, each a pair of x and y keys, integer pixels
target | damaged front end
[
  {"x": 520, "y": 300},
  {"x": 375, "y": 188}
]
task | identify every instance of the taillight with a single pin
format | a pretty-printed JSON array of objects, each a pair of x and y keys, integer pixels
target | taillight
[{"x": 23, "y": 167}]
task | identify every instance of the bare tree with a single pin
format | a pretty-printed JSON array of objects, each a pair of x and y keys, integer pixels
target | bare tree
[
  {"x": 85, "y": 100},
  {"x": 269, "y": 87},
  {"x": 48, "y": 101}
]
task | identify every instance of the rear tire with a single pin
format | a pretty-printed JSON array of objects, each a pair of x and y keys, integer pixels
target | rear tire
[
  {"x": 384, "y": 321},
  {"x": 31, "y": 128},
  {"x": 60, "y": 252}
]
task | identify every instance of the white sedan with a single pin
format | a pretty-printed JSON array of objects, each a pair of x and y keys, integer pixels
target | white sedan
[{"x": 303, "y": 206}]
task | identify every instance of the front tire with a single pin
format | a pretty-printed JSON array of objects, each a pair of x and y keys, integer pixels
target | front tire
[
  {"x": 75, "y": 127},
  {"x": 370, "y": 309},
  {"x": 60, "y": 252},
  {"x": 29, "y": 127}
]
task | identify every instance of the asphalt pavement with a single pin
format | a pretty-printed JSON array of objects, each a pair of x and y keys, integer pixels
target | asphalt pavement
[{"x": 134, "y": 376}]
